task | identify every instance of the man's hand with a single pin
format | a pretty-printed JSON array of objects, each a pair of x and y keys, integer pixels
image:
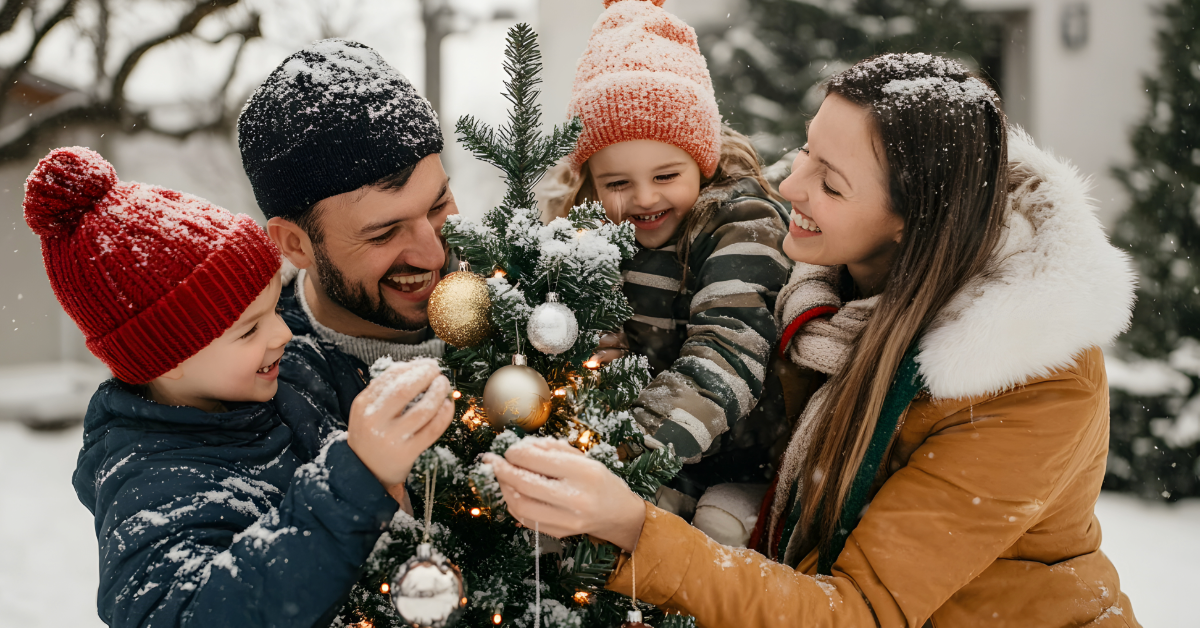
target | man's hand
[
  {"x": 388, "y": 438},
  {"x": 566, "y": 493}
]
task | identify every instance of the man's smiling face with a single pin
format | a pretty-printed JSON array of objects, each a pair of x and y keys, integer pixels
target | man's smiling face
[{"x": 379, "y": 252}]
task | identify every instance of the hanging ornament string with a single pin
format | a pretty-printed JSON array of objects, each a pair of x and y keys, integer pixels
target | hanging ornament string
[
  {"x": 634, "y": 617},
  {"x": 430, "y": 482},
  {"x": 537, "y": 575},
  {"x": 633, "y": 584}
]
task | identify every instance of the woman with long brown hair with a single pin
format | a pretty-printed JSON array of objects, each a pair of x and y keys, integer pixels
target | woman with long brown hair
[{"x": 953, "y": 288}]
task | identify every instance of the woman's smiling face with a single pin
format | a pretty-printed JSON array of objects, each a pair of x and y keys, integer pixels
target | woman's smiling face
[
  {"x": 651, "y": 184},
  {"x": 838, "y": 189}
]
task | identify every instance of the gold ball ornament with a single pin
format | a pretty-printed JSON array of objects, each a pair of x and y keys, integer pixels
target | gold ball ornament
[
  {"x": 458, "y": 309},
  {"x": 516, "y": 395}
]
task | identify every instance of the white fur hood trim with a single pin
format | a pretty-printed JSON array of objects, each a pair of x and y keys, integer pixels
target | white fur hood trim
[{"x": 1057, "y": 288}]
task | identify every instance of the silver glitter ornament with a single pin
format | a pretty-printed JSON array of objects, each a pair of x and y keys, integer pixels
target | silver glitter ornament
[
  {"x": 428, "y": 590},
  {"x": 552, "y": 326}
]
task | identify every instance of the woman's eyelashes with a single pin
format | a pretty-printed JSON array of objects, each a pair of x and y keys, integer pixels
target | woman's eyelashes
[
  {"x": 666, "y": 178},
  {"x": 249, "y": 333},
  {"x": 828, "y": 190}
]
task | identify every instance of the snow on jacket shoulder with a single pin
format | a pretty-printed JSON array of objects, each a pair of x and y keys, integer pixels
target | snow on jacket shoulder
[
  {"x": 709, "y": 344},
  {"x": 327, "y": 376},
  {"x": 239, "y": 518},
  {"x": 985, "y": 517}
]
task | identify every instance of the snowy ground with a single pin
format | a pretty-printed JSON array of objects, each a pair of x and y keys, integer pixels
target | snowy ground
[{"x": 48, "y": 549}]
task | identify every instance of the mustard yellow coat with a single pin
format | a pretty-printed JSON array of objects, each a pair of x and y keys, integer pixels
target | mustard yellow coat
[
  {"x": 985, "y": 517},
  {"x": 985, "y": 520}
]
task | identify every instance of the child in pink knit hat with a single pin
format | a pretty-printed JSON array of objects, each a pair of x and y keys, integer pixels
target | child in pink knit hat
[{"x": 655, "y": 152}]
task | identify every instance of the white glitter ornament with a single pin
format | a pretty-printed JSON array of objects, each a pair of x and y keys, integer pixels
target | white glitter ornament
[{"x": 552, "y": 326}]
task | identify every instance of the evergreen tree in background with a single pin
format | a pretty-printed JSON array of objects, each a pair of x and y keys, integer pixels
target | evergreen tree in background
[
  {"x": 522, "y": 260},
  {"x": 767, "y": 70},
  {"x": 1155, "y": 445}
]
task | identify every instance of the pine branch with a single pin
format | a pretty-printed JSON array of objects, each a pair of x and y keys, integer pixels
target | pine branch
[{"x": 517, "y": 148}]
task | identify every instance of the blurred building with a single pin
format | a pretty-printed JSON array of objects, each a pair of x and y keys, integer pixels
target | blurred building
[{"x": 1071, "y": 71}]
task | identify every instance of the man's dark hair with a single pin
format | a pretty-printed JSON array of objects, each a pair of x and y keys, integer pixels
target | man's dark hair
[{"x": 310, "y": 219}]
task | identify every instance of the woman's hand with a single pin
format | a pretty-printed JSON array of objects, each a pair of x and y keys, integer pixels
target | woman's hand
[
  {"x": 613, "y": 345},
  {"x": 566, "y": 493},
  {"x": 385, "y": 435}
]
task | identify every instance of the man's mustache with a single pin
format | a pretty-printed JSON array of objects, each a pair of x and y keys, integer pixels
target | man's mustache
[{"x": 406, "y": 269}]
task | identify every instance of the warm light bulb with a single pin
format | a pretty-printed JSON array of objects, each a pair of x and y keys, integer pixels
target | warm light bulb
[
  {"x": 500, "y": 274},
  {"x": 384, "y": 588},
  {"x": 475, "y": 512},
  {"x": 496, "y": 619},
  {"x": 561, "y": 392},
  {"x": 456, "y": 395},
  {"x": 592, "y": 364},
  {"x": 582, "y": 597}
]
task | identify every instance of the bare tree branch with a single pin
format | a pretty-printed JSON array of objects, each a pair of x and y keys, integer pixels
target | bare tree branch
[
  {"x": 10, "y": 76},
  {"x": 107, "y": 102},
  {"x": 187, "y": 24}
]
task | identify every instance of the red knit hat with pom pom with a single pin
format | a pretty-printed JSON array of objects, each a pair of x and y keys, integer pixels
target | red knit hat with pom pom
[
  {"x": 643, "y": 78},
  {"x": 150, "y": 275}
]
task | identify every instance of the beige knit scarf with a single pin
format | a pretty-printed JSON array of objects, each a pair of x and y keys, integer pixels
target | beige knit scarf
[{"x": 823, "y": 345}]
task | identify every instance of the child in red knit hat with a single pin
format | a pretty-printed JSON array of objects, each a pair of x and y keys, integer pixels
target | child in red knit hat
[
  {"x": 655, "y": 152},
  {"x": 219, "y": 494}
]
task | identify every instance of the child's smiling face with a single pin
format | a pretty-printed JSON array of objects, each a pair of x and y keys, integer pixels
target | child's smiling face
[
  {"x": 651, "y": 184},
  {"x": 242, "y": 365}
]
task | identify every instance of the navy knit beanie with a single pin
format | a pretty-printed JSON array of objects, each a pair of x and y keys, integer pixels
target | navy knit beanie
[{"x": 332, "y": 118}]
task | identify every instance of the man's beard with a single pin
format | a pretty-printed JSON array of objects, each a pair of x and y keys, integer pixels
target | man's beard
[{"x": 356, "y": 299}]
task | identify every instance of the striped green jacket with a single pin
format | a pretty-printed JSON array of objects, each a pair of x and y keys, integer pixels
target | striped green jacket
[{"x": 710, "y": 344}]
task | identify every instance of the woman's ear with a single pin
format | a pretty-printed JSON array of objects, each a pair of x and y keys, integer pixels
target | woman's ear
[{"x": 292, "y": 241}]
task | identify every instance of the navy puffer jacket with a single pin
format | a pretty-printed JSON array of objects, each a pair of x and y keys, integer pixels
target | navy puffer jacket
[{"x": 260, "y": 516}]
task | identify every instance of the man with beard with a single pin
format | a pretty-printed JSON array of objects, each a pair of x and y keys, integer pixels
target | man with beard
[{"x": 343, "y": 156}]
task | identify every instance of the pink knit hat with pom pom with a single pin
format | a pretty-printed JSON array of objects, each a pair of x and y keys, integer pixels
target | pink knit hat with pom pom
[
  {"x": 150, "y": 275},
  {"x": 643, "y": 78}
]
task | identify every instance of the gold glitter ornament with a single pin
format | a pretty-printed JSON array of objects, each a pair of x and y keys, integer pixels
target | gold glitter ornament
[
  {"x": 458, "y": 309},
  {"x": 517, "y": 395}
]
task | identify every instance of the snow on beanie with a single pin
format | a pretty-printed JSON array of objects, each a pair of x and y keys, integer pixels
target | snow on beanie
[
  {"x": 150, "y": 275},
  {"x": 643, "y": 78},
  {"x": 332, "y": 118}
]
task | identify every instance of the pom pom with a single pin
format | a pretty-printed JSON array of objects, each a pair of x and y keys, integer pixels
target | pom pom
[
  {"x": 657, "y": 3},
  {"x": 63, "y": 187}
]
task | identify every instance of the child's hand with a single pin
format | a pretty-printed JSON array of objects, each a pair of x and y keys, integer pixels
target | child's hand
[
  {"x": 399, "y": 415},
  {"x": 612, "y": 345}
]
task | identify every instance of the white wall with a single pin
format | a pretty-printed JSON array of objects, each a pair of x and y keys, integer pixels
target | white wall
[{"x": 1083, "y": 103}]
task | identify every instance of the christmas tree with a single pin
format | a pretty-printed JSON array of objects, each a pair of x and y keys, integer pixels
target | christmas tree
[
  {"x": 1155, "y": 437},
  {"x": 520, "y": 262},
  {"x": 767, "y": 70}
]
